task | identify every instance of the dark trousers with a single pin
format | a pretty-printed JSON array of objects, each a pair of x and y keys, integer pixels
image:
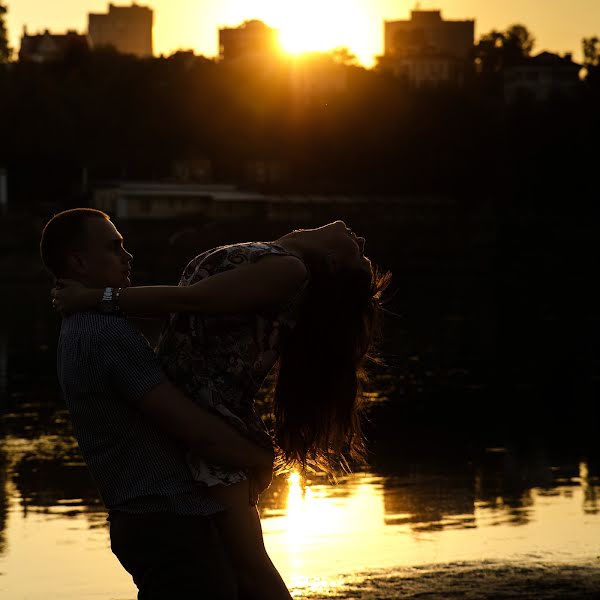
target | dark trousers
[{"x": 172, "y": 556}]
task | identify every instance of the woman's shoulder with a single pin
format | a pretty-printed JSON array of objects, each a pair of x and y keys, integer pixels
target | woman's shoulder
[
  {"x": 223, "y": 258},
  {"x": 256, "y": 250}
]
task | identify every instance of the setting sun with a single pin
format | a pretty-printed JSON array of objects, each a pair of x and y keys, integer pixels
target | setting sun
[
  {"x": 310, "y": 24},
  {"x": 315, "y": 25}
]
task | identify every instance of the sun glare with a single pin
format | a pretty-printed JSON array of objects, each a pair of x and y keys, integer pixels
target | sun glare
[
  {"x": 310, "y": 27},
  {"x": 320, "y": 25}
]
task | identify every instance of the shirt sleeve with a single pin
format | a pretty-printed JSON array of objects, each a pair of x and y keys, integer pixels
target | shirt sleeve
[{"x": 129, "y": 362}]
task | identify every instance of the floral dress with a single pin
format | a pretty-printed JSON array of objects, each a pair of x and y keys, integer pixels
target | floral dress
[{"x": 220, "y": 362}]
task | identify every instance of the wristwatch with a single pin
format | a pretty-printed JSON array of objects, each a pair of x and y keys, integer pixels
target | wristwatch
[{"x": 109, "y": 304}]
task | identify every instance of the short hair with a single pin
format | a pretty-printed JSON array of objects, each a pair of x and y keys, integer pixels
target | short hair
[{"x": 64, "y": 233}]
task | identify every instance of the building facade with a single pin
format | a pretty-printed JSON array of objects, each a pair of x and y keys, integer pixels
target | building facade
[
  {"x": 266, "y": 172},
  {"x": 48, "y": 47},
  {"x": 154, "y": 201},
  {"x": 427, "y": 50},
  {"x": 192, "y": 170},
  {"x": 252, "y": 39},
  {"x": 127, "y": 29},
  {"x": 151, "y": 200},
  {"x": 540, "y": 77}
]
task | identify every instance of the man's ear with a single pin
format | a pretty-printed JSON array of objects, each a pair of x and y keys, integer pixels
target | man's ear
[{"x": 77, "y": 264}]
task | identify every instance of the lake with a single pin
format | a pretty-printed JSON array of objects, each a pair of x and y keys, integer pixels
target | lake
[{"x": 445, "y": 509}]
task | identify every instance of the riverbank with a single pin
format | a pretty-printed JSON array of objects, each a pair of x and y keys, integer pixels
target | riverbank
[{"x": 486, "y": 580}]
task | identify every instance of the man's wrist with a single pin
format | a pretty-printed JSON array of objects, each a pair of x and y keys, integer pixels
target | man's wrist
[{"x": 108, "y": 302}]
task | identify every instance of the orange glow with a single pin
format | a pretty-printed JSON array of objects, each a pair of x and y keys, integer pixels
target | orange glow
[
  {"x": 313, "y": 24},
  {"x": 317, "y": 534},
  {"x": 317, "y": 25}
]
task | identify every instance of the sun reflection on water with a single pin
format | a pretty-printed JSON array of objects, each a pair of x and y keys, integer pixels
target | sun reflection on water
[
  {"x": 314, "y": 531},
  {"x": 320, "y": 536}
]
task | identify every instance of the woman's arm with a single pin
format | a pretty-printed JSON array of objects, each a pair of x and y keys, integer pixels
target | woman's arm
[{"x": 267, "y": 282}]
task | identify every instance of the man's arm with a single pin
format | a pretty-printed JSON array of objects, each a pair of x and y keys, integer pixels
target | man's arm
[
  {"x": 137, "y": 377},
  {"x": 202, "y": 431}
]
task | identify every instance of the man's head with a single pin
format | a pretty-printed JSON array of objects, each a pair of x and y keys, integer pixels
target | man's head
[{"x": 84, "y": 245}]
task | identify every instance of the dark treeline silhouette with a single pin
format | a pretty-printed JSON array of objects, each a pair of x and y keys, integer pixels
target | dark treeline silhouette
[
  {"x": 121, "y": 117},
  {"x": 494, "y": 257},
  {"x": 5, "y": 50},
  {"x": 498, "y": 50}
]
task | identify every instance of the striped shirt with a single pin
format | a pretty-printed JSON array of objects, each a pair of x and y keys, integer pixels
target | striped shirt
[{"x": 105, "y": 367}]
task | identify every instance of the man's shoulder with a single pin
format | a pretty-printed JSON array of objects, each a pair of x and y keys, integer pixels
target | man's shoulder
[
  {"x": 106, "y": 338},
  {"x": 94, "y": 324},
  {"x": 97, "y": 351}
]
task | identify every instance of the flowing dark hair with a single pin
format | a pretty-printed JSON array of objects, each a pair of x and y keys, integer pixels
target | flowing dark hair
[{"x": 317, "y": 400}]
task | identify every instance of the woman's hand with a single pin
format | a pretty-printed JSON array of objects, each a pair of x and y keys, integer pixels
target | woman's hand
[{"x": 71, "y": 296}]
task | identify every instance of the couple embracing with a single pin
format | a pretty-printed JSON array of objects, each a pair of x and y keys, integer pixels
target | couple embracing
[{"x": 172, "y": 438}]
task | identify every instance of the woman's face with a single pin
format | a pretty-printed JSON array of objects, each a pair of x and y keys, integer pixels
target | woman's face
[{"x": 335, "y": 241}]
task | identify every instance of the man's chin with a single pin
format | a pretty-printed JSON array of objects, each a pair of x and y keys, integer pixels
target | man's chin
[{"x": 123, "y": 282}]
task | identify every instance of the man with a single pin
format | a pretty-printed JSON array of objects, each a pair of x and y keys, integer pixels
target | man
[{"x": 134, "y": 427}]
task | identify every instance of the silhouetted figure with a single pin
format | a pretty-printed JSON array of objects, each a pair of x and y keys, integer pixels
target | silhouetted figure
[{"x": 310, "y": 300}]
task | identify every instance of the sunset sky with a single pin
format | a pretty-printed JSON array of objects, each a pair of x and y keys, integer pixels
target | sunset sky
[{"x": 558, "y": 25}]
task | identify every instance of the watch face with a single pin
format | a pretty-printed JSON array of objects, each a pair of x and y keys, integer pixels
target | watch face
[{"x": 106, "y": 304}]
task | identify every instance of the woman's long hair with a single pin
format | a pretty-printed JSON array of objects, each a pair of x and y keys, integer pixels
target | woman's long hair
[{"x": 317, "y": 401}]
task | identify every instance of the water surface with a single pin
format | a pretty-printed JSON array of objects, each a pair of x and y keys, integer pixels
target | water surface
[{"x": 492, "y": 521}]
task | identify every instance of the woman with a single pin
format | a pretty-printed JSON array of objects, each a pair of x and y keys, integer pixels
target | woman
[{"x": 308, "y": 300}]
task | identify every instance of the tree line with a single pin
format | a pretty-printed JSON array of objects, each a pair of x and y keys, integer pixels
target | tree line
[{"x": 114, "y": 116}]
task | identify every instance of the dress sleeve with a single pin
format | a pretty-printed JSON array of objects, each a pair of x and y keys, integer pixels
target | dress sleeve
[
  {"x": 130, "y": 364},
  {"x": 260, "y": 249}
]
